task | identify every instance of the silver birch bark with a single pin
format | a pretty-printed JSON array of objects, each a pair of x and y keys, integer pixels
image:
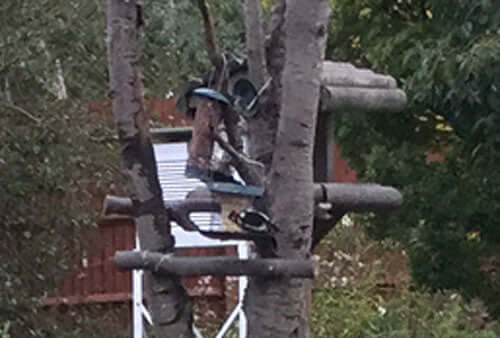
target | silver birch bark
[
  {"x": 167, "y": 300},
  {"x": 281, "y": 307}
]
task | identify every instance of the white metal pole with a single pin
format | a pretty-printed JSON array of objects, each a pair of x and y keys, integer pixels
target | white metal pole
[
  {"x": 243, "y": 253},
  {"x": 137, "y": 297}
]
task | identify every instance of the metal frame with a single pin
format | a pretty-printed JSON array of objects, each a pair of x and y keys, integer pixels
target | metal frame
[{"x": 186, "y": 239}]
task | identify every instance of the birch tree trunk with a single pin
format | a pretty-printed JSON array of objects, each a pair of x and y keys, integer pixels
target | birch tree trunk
[
  {"x": 281, "y": 307},
  {"x": 166, "y": 298}
]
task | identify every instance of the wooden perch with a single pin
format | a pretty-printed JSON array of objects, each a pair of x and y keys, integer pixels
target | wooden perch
[
  {"x": 347, "y": 197},
  {"x": 178, "y": 211},
  {"x": 216, "y": 266},
  {"x": 344, "y": 196},
  {"x": 345, "y": 87},
  {"x": 341, "y": 74},
  {"x": 117, "y": 205},
  {"x": 358, "y": 197},
  {"x": 335, "y": 99}
]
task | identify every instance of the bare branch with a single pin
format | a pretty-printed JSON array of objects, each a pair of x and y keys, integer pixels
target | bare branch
[
  {"x": 18, "y": 109},
  {"x": 251, "y": 171},
  {"x": 211, "y": 43},
  {"x": 178, "y": 211},
  {"x": 216, "y": 266}
]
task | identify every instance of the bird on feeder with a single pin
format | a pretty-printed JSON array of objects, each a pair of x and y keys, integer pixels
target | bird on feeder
[{"x": 252, "y": 220}]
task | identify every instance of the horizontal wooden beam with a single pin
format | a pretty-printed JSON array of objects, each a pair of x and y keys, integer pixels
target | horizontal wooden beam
[
  {"x": 336, "y": 99},
  {"x": 358, "y": 197},
  {"x": 178, "y": 210},
  {"x": 341, "y": 74},
  {"x": 216, "y": 266},
  {"x": 115, "y": 205},
  {"x": 85, "y": 299}
]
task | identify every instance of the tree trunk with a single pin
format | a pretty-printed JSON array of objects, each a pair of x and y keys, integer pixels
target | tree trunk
[
  {"x": 281, "y": 307},
  {"x": 169, "y": 305}
]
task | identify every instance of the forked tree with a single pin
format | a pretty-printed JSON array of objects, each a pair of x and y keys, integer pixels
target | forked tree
[{"x": 281, "y": 137}]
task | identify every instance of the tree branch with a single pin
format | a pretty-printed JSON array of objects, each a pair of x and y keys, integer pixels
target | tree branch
[
  {"x": 358, "y": 197},
  {"x": 18, "y": 109},
  {"x": 178, "y": 211},
  {"x": 347, "y": 197},
  {"x": 335, "y": 99},
  {"x": 263, "y": 126},
  {"x": 345, "y": 87},
  {"x": 255, "y": 41},
  {"x": 251, "y": 171},
  {"x": 213, "y": 50},
  {"x": 168, "y": 302},
  {"x": 216, "y": 266}
]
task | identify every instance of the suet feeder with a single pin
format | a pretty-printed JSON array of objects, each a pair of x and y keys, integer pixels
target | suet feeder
[
  {"x": 246, "y": 97},
  {"x": 234, "y": 197},
  {"x": 209, "y": 109}
]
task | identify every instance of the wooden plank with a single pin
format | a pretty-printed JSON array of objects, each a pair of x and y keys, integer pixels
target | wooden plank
[
  {"x": 97, "y": 298},
  {"x": 66, "y": 288},
  {"x": 85, "y": 278},
  {"x": 108, "y": 275},
  {"x": 130, "y": 244},
  {"x": 121, "y": 239},
  {"x": 99, "y": 267},
  {"x": 217, "y": 266},
  {"x": 93, "y": 261}
]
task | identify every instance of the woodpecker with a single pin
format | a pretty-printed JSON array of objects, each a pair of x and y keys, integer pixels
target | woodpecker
[{"x": 252, "y": 220}]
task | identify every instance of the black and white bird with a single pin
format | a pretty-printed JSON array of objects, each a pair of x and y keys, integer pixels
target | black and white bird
[{"x": 252, "y": 220}]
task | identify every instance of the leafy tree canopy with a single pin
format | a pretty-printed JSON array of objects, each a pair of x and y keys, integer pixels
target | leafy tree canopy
[
  {"x": 443, "y": 150},
  {"x": 57, "y": 156}
]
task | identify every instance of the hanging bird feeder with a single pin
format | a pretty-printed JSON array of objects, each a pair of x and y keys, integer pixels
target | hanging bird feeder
[
  {"x": 246, "y": 97},
  {"x": 234, "y": 198}
]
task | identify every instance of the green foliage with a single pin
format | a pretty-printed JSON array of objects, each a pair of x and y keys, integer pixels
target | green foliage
[
  {"x": 375, "y": 299},
  {"x": 353, "y": 312},
  {"x": 175, "y": 48},
  {"x": 54, "y": 177},
  {"x": 56, "y": 157},
  {"x": 446, "y": 56}
]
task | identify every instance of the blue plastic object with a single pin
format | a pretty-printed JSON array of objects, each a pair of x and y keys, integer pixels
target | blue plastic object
[{"x": 211, "y": 94}]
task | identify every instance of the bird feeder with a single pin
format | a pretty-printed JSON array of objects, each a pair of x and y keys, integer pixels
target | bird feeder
[
  {"x": 209, "y": 114},
  {"x": 234, "y": 197}
]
